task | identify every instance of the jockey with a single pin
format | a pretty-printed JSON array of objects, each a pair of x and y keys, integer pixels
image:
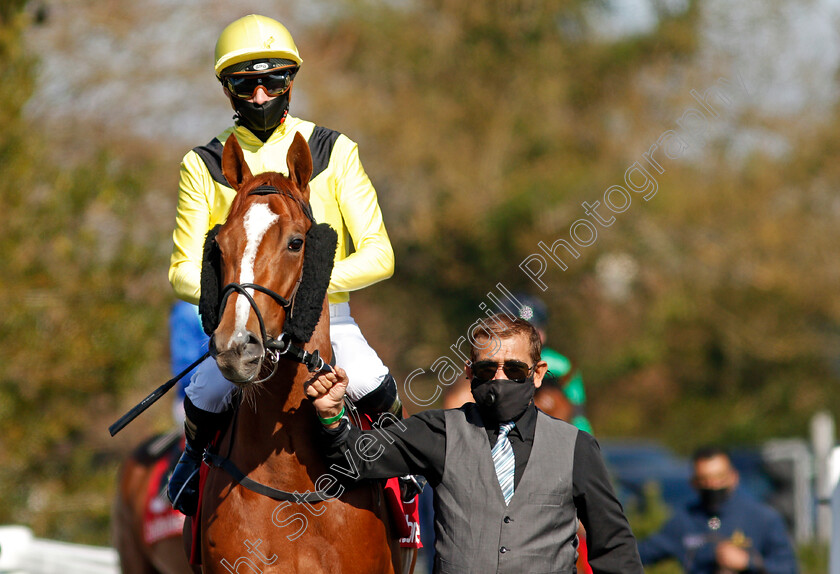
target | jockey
[{"x": 256, "y": 63}]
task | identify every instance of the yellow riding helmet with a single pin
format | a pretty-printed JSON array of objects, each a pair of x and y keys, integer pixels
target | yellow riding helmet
[{"x": 254, "y": 37}]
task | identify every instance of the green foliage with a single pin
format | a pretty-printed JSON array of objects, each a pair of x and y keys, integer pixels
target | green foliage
[
  {"x": 80, "y": 325},
  {"x": 648, "y": 520},
  {"x": 486, "y": 125},
  {"x": 813, "y": 558},
  {"x": 648, "y": 516}
]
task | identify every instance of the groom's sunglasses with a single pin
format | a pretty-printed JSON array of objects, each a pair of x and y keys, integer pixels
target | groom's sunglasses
[{"x": 515, "y": 371}]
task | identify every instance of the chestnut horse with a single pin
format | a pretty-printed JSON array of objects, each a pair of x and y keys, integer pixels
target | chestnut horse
[
  {"x": 137, "y": 556},
  {"x": 268, "y": 501}
]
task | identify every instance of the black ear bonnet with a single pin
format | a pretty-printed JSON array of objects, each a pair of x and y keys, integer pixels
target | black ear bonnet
[
  {"x": 211, "y": 282},
  {"x": 302, "y": 318},
  {"x": 318, "y": 260}
]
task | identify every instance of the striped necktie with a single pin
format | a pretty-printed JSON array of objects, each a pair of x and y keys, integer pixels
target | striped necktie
[{"x": 503, "y": 461}]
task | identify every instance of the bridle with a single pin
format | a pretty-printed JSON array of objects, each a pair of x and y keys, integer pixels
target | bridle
[
  {"x": 282, "y": 347},
  {"x": 273, "y": 350}
]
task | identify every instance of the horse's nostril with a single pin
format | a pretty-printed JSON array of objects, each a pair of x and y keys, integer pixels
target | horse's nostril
[
  {"x": 240, "y": 340},
  {"x": 252, "y": 350}
]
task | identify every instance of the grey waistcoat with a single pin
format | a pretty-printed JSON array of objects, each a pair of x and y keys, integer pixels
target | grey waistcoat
[{"x": 475, "y": 532}]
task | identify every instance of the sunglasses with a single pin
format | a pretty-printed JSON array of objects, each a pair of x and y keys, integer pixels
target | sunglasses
[
  {"x": 515, "y": 371},
  {"x": 275, "y": 82}
]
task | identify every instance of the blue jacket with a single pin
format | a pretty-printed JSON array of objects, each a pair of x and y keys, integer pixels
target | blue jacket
[
  {"x": 690, "y": 536},
  {"x": 187, "y": 341}
]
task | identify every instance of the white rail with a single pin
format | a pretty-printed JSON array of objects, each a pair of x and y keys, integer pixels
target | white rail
[{"x": 22, "y": 553}]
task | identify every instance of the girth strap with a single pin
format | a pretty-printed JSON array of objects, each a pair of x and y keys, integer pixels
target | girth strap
[{"x": 218, "y": 461}]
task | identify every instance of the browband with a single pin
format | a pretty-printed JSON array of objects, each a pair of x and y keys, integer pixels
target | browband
[{"x": 271, "y": 190}]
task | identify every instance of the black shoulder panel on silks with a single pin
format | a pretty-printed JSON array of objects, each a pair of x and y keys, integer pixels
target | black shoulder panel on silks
[
  {"x": 211, "y": 155},
  {"x": 321, "y": 144}
]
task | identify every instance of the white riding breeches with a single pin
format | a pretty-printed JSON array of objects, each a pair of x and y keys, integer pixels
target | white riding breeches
[{"x": 210, "y": 391}]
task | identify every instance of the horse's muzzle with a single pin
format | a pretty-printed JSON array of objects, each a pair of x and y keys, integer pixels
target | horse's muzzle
[{"x": 240, "y": 358}]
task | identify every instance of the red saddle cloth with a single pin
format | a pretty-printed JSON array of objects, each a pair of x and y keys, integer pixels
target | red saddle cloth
[
  {"x": 404, "y": 515},
  {"x": 583, "y": 566},
  {"x": 160, "y": 520}
]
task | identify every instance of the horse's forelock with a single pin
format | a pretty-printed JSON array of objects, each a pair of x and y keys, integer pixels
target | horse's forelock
[{"x": 273, "y": 179}]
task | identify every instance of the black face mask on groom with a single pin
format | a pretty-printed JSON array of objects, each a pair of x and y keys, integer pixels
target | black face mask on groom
[{"x": 502, "y": 400}]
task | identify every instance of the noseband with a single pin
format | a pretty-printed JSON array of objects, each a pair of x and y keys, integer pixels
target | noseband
[{"x": 274, "y": 349}]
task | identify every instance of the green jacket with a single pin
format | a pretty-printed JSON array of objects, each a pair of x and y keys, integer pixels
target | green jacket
[{"x": 568, "y": 378}]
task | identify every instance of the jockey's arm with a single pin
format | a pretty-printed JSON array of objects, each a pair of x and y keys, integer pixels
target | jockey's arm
[
  {"x": 192, "y": 222},
  {"x": 373, "y": 258}
]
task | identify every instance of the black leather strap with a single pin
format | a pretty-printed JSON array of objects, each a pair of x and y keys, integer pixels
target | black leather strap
[
  {"x": 287, "y": 350},
  {"x": 225, "y": 464}
]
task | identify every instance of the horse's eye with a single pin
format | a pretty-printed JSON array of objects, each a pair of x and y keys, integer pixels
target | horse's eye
[{"x": 295, "y": 244}]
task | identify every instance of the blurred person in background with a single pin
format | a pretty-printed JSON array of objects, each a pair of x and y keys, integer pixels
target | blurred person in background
[
  {"x": 562, "y": 373},
  {"x": 256, "y": 62},
  {"x": 724, "y": 530}
]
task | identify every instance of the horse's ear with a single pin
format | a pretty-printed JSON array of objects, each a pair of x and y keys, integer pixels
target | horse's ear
[
  {"x": 299, "y": 162},
  {"x": 234, "y": 168}
]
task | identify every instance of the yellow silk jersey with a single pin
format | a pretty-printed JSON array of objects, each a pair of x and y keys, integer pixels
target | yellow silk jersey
[{"x": 341, "y": 195}]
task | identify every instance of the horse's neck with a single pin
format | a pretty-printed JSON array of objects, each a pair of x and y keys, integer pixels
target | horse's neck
[
  {"x": 275, "y": 416},
  {"x": 277, "y": 424}
]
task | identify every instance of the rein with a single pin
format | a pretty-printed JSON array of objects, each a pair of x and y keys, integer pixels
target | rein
[{"x": 218, "y": 461}]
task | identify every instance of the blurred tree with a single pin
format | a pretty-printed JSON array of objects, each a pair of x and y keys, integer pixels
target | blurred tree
[
  {"x": 82, "y": 330},
  {"x": 706, "y": 314},
  {"x": 486, "y": 125}
]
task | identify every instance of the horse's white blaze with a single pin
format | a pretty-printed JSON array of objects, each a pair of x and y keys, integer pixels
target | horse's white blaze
[{"x": 258, "y": 221}]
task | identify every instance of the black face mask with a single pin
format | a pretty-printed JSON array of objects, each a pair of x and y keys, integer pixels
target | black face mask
[
  {"x": 711, "y": 499},
  {"x": 501, "y": 400},
  {"x": 262, "y": 119}
]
